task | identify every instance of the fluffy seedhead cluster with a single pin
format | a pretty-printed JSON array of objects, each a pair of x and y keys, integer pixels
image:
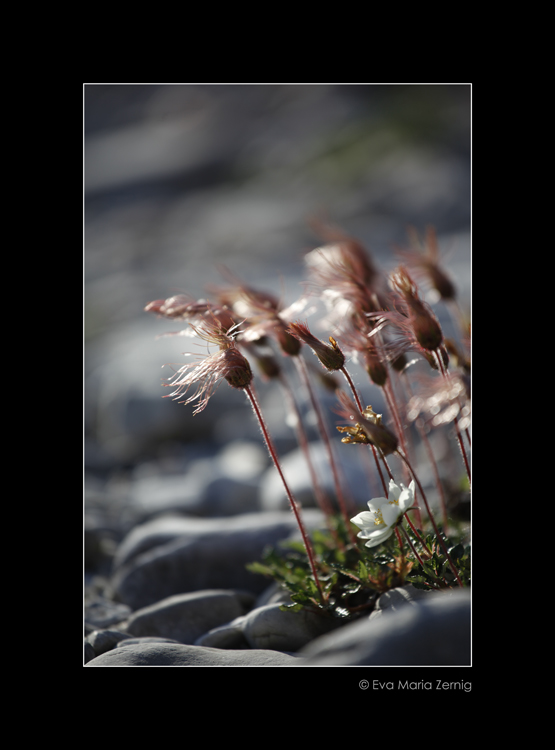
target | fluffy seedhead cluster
[{"x": 373, "y": 319}]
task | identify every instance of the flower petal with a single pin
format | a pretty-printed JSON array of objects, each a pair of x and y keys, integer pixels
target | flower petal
[
  {"x": 390, "y": 513},
  {"x": 380, "y": 537},
  {"x": 376, "y": 503},
  {"x": 407, "y": 496},
  {"x": 394, "y": 491},
  {"x": 363, "y": 519}
]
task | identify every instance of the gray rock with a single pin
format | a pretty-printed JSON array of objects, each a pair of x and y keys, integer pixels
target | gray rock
[
  {"x": 266, "y": 626},
  {"x": 105, "y": 640},
  {"x": 185, "y": 617},
  {"x": 229, "y": 636},
  {"x": 161, "y": 530},
  {"x": 431, "y": 632},
  {"x": 88, "y": 652},
  {"x": 172, "y": 493},
  {"x": 223, "y": 485},
  {"x": 160, "y": 654},
  {"x": 183, "y": 555},
  {"x": 156, "y": 532},
  {"x": 271, "y": 627},
  {"x": 274, "y": 594},
  {"x": 144, "y": 639},
  {"x": 102, "y": 613},
  {"x": 394, "y": 599}
]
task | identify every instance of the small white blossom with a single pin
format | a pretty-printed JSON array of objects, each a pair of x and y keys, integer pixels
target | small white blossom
[{"x": 377, "y": 523}]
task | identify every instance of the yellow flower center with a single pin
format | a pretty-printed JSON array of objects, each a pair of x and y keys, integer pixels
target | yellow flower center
[{"x": 378, "y": 520}]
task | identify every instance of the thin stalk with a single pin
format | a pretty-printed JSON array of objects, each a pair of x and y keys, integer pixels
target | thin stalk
[
  {"x": 413, "y": 548},
  {"x": 442, "y": 543},
  {"x": 361, "y": 409},
  {"x": 325, "y": 438},
  {"x": 416, "y": 533},
  {"x": 422, "y": 432},
  {"x": 321, "y": 497},
  {"x": 411, "y": 545},
  {"x": 401, "y": 545},
  {"x": 294, "y": 506},
  {"x": 439, "y": 485},
  {"x": 390, "y": 398},
  {"x": 457, "y": 429}
]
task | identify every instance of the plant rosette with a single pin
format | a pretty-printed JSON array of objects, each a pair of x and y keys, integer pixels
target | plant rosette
[{"x": 378, "y": 522}]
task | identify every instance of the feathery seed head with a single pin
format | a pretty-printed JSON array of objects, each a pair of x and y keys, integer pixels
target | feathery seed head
[
  {"x": 424, "y": 256},
  {"x": 425, "y": 326}
]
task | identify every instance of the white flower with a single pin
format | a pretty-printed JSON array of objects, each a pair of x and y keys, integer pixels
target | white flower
[{"x": 377, "y": 523}]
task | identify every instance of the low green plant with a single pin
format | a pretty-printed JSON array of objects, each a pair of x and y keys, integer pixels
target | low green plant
[{"x": 353, "y": 577}]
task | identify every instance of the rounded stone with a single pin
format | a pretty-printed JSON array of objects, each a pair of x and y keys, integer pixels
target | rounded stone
[
  {"x": 195, "y": 554},
  {"x": 105, "y": 640},
  {"x": 228, "y": 636},
  {"x": 401, "y": 596},
  {"x": 181, "y": 655},
  {"x": 284, "y": 630},
  {"x": 431, "y": 632},
  {"x": 185, "y": 617}
]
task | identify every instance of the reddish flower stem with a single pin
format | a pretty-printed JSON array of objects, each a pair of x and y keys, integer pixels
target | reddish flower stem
[
  {"x": 322, "y": 499},
  {"x": 325, "y": 438},
  {"x": 294, "y": 506},
  {"x": 433, "y": 464},
  {"x": 409, "y": 540},
  {"x": 361, "y": 409},
  {"x": 440, "y": 539},
  {"x": 390, "y": 398},
  {"x": 413, "y": 548},
  {"x": 422, "y": 432},
  {"x": 445, "y": 374}
]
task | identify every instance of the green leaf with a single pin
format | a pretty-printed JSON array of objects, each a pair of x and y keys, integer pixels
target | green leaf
[
  {"x": 300, "y": 597},
  {"x": 312, "y": 587},
  {"x": 345, "y": 572},
  {"x": 256, "y": 567},
  {"x": 292, "y": 544},
  {"x": 362, "y": 571}
]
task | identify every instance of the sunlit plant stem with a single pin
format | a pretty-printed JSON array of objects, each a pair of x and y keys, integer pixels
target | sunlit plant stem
[
  {"x": 431, "y": 517},
  {"x": 445, "y": 374},
  {"x": 273, "y": 453},
  {"x": 361, "y": 409},
  {"x": 325, "y": 437}
]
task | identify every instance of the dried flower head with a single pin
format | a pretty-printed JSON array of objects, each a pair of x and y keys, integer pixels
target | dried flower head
[
  {"x": 263, "y": 315},
  {"x": 343, "y": 275},
  {"x": 416, "y": 325},
  {"x": 425, "y": 326},
  {"x": 367, "y": 427},
  {"x": 184, "y": 308},
  {"x": 226, "y": 364},
  {"x": 268, "y": 366},
  {"x": 369, "y": 352},
  {"x": 442, "y": 400},
  {"x": 350, "y": 254},
  {"x": 424, "y": 257},
  {"x": 330, "y": 355}
]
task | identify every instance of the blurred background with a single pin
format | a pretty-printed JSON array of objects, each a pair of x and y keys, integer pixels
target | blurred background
[{"x": 181, "y": 178}]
